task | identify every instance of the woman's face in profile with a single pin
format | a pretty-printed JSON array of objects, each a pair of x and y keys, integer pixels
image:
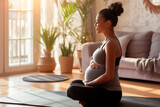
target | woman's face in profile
[{"x": 100, "y": 24}]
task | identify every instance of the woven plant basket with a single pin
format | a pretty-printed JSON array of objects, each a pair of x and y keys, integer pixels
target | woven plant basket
[
  {"x": 66, "y": 64},
  {"x": 46, "y": 65}
]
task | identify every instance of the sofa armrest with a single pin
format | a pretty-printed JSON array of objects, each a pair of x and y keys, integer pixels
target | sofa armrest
[{"x": 87, "y": 51}]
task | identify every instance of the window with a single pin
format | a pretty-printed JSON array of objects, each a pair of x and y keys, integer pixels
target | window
[
  {"x": 20, "y": 32},
  {"x": 21, "y": 23}
]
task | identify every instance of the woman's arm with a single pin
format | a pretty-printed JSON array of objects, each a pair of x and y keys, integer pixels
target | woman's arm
[{"x": 110, "y": 51}]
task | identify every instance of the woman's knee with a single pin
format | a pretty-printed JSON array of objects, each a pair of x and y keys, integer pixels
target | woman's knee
[
  {"x": 71, "y": 92},
  {"x": 76, "y": 81}
]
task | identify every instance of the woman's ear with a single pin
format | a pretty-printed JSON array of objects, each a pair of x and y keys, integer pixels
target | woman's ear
[{"x": 108, "y": 23}]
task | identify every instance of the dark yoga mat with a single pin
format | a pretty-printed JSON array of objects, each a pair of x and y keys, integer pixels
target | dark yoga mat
[
  {"x": 59, "y": 99},
  {"x": 40, "y": 98},
  {"x": 45, "y": 78}
]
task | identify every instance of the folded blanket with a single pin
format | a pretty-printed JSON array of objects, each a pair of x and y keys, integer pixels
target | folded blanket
[{"x": 148, "y": 66}]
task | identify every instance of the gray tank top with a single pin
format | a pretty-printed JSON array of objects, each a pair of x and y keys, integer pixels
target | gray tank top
[{"x": 99, "y": 58}]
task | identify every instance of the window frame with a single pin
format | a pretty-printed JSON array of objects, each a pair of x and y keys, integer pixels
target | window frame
[
  {"x": 1, "y": 36},
  {"x": 36, "y": 26}
]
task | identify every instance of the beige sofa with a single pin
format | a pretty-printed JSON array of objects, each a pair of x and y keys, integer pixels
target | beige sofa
[{"x": 140, "y": 55}]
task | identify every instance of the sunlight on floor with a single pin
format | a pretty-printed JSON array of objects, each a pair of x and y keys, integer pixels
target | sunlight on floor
[
  {"x": 136, "y": 87},
  {"x": 140, "y": 89}
]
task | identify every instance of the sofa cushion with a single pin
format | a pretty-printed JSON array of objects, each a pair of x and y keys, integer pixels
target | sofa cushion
[
  {"x": 128, "y": 63},
  {"x": 124, "y": 40},
  {"x": 139, "y": 45},
  {"x": 155, "y": 46}
]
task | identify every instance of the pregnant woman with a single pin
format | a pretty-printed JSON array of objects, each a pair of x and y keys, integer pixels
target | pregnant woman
[{"x": 101, "y": 86}]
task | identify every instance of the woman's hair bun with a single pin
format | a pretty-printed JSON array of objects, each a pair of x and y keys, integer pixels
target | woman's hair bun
[{"x": 117, "y": 8}]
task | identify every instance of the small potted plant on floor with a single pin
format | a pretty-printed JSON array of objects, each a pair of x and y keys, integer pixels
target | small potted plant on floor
[{"x": 48, "y": 36}]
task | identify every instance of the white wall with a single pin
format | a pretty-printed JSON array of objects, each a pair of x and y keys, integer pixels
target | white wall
[{"x": 135, "y": 17}]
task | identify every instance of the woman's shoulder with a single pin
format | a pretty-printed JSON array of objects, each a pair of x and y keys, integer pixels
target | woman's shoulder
[
  {"x": 112, "y": 46},
  {"x": 112, "y": 43}
]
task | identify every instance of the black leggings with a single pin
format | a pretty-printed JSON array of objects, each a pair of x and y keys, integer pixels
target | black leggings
[{"x": 93, "y": 95}]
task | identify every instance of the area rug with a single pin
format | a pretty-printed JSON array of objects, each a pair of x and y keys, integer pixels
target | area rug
[
  {"x": 44, "y": 78},
  {"x": 59, "y": 99}
]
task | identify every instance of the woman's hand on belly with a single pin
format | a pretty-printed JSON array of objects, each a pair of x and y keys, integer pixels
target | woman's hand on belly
[
  {"x": 93, "y": 64},
  {"x": 86, "y": 83}
]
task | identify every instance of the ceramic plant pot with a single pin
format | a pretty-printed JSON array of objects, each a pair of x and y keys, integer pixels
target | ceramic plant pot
[{"x": 66, "y": 64}]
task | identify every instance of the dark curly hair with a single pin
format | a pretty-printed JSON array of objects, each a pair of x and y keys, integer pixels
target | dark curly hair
[{"x": 112, "y": 12}]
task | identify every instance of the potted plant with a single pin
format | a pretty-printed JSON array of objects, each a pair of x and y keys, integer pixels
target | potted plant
[
  {"x": 66, "y": 59},
  {"x": 83, "y": 8},
  {"x": 48, "y": 37},
  {"x": 67, "y": 47}
]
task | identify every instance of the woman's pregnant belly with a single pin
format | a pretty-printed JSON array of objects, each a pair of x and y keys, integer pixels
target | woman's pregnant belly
[{"x": 93, "y": 73}]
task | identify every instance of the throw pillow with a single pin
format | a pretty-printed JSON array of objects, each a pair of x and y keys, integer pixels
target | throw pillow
[
  {"x": 124, "y": 40},
  {"x": 139, "y": 46}
]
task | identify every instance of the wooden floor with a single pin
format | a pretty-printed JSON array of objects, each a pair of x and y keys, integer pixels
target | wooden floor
[{"x": 13, "y": 84}]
